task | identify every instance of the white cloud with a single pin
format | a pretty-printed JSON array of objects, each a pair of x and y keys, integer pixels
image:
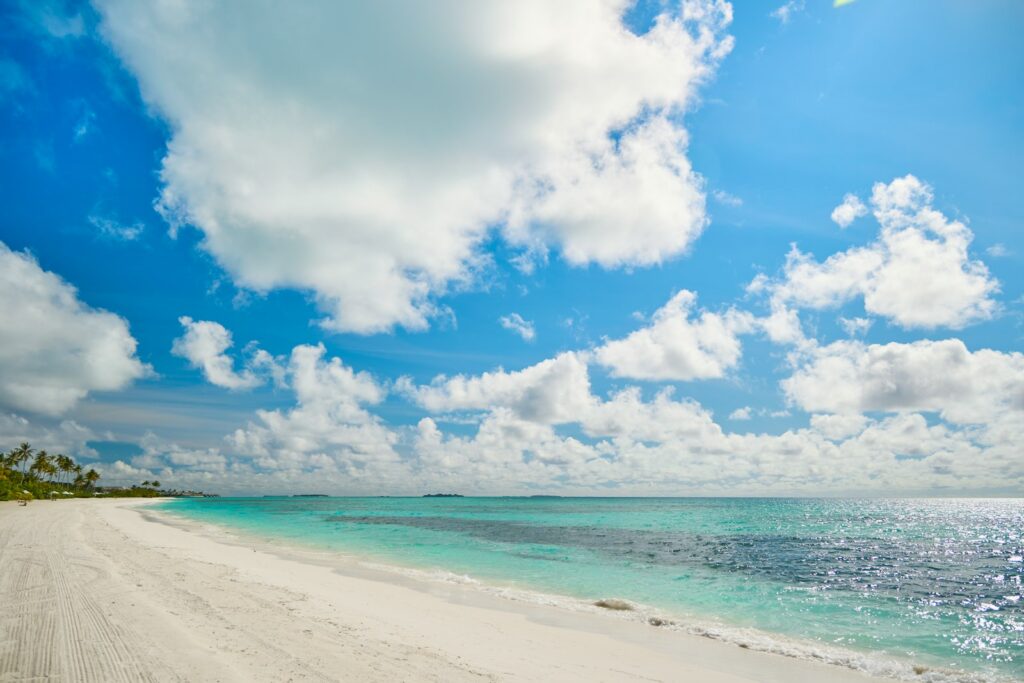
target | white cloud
[
  {"x": 373, "y": 182},
  {"x": 158, "y": 454},
  {"x": 998, "y": 250},
  {"x": 541, "y": 429},
  {"x": 740, "y": 414},
  {"x": 723, "y": 197},
  {"x": 67, "y": 436},
  {"x": 329, "y": 429},
  {"x": 552, "y": 391},
  {"x": 670, "y": 446},
  {"x": 849, "y": 377},
  {"x": 631, "y": 202},
  {"x": 839, "y": 427},
  {"x": 787, "y": 11},
  {"x": 850, "y": 210},
  {"x": 516, "y": 323},
  {"x": 54, "y": 349},
  {"x": 204, "y": 344},
  {"x": 86, "y": 125},
  {"x": 918, "y": 273},
  {"x": 677, "y": 346},
  {"x": 113, "y": 229},
  {"x": 855, "y": 327}
]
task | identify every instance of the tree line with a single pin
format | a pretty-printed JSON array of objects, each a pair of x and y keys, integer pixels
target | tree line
[{"x": 28, "y": 473}]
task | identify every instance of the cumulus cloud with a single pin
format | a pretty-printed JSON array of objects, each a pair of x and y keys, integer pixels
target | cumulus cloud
[
  {"x": 856, "y": 326},
  {"x": 329, "y": 429},
  {"x": 551, "y": 391},
  {"x": 516, "y": 323},
  {"x": 162, "y": 455},
  {"x": 839, "y": 427},
  {"x": 918, "y": 273},
  {"x": 850, "y": 210},
  {"x": 55, "y": 349},
  {"x": 543, "y": 429},
  {"x": 66, "y": 436},
  {"x": 372, "y": 183},
  {"x": 665, "y": 445},
  {"x": 204, "y": 345},
  {"x": 849, "y": 377},
  {"x": 740, "y": 414},
  {"x": 678, "y": 345}
]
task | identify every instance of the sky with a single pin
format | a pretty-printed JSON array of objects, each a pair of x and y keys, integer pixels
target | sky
[{"x": 587, "y": 248}]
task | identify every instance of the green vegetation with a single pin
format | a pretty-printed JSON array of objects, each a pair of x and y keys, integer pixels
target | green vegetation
[{"x": 26, "y": 474}]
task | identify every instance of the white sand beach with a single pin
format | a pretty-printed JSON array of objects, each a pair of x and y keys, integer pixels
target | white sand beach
[{"x": 101, "y": 590}]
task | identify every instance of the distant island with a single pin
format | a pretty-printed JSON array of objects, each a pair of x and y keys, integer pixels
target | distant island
[
  {"x": 443, "y": 495},
  {"x": 310, "y": 495}
]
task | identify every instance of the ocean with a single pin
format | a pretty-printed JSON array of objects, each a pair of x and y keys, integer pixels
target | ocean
[{"x": 919, "y": 589}]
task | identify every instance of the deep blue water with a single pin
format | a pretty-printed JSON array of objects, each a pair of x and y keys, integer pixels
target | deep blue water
[{"x": 935, "y": 582}]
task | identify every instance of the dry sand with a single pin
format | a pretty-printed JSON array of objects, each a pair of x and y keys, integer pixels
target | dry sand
[{"x": 102, "y": 590}]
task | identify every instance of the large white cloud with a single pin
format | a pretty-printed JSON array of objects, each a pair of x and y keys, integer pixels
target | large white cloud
[
  {"x": 918, "y": 273},
  {"x": 850, "y": 377},
  {"x": 55, "y": 349},
  {"x": 361, "y": 151},
  {"x": 677, "y": 346}
]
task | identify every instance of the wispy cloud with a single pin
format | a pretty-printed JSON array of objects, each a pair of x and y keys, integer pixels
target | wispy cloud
[
  {"x": 516, "y": 323},
  {"x": 50, "y": 18},
  {"x": 788, "y": 11},
  {"x": 113, "y": 229},
  {"x": 723, "y": 197},
  {"x": 85, "y": 124}
]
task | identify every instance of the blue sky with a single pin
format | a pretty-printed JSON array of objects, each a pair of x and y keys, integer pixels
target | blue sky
[{"x": 804, "y": 108}]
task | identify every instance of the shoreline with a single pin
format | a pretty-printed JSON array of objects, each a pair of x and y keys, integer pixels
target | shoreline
[{"x": 168, "y": 598}]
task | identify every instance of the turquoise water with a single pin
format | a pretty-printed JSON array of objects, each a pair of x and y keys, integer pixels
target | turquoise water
[{"x": 936, "y": 583}]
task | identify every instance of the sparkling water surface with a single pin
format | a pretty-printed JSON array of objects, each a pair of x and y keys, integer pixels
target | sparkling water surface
[{"x": 933, "y": 581}]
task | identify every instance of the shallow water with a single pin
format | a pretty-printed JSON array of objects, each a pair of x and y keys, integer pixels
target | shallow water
[{"x": 934, "y": 582}]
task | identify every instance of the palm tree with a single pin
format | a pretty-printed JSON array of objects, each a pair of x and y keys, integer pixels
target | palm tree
[
  {"x": 49, "y": 469},
  {"x": 41, "y": 465},
  {"x": 79, "y": 479},
  {"x": 18, "y": 457},
  {"x": 155, "y": 484},
  {"x": 65, "y": 465},
  {"x": 90, "y": 478}
]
